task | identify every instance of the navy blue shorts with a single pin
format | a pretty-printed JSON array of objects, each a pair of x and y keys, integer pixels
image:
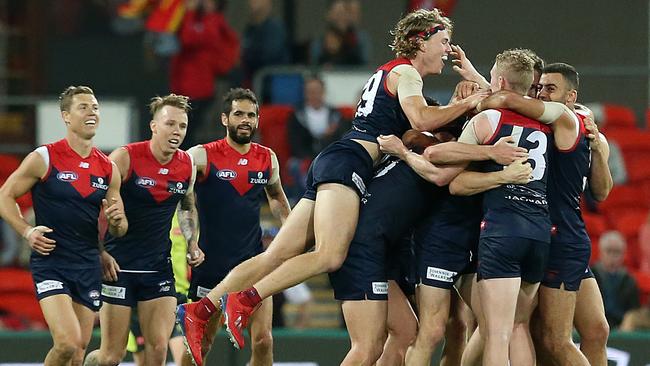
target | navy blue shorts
[
  {"x": 512, "y": 257},
  {"x": 401, "y": 265},
  {"x": 344, "y": 162},
  {"x": 568, "y": 264},
  {"x": 588, "y": 274},
  {"x": 201, "y": 283},
  {"x": 396, "y": 199},
  {"x": 82, "y": 285},
  {"x": 133, "y": 287},
  {"x": 440, "y": 262}
]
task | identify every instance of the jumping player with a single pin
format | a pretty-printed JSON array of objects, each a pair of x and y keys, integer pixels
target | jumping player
[{"x": 391, "y": 103}]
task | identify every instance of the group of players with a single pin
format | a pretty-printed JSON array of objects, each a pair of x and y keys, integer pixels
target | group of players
[{"x": 501, "y": 216}]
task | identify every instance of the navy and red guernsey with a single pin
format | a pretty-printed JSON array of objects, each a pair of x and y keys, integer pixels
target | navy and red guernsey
[
  {"x": 519, "y": 210},
  {"x": 151, "y": 192},
  {"x": 229, "y": 197},
  {"x": 567, "y": 177},
  {"x": 68, "y": 201},
  {"x": 378, "y": 110}
]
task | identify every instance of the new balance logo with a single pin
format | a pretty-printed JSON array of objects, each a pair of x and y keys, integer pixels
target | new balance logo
[
  {"x": 84, "y": 164},
  {"x": 242, "y": 161},
  {"x": 163, "y": 171}
]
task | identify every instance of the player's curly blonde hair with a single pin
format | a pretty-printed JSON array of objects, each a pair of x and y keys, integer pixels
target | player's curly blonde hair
[
  {"x": 174, "y": 100},
  {"x": 406, "y": 43},
  {"x": 516, "y": 66}
]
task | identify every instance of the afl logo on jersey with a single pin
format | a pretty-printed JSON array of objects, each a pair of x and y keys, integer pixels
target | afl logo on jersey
[
  {"x": 226, "y": 174},
  {"x": 145, "y": 182},
  {"x": 98, "y": 183},
  {"x": 67, "y": 176}
]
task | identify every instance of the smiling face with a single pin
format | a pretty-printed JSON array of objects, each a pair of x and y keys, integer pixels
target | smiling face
[
  {"x": 554, "y": 88},
  {"x": 168, "y": 128},
  {"x": 82, "y": 117},
  {"x": 241, "y": 122},
  {"x": 435, "y": 51}
]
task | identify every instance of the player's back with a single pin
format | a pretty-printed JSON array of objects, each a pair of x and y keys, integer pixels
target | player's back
[
  {"x": 68, "y": 201},
  {"x": 519, "y": 209},
  {"x": 229, "y": 197},
  {"x": 568, "y": 174},
  {"x": 378, "y": 111},
  {"x": 150, "y": 192}
]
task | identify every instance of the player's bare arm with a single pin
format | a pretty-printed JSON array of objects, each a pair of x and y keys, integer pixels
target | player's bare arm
[
  {"x": 20, "y": 182},
  {"x": 563, "y": 120},
  {"x": 470, "y": 182},
  {"x": 188, "y": 220},
  {"x": 407, "y": 83},
  {"x": 503, "y": 152},
  {"x": 439, "y": 176},
  {"x": 114, "y": 207},
  {"x": 600, "y": 180},
  {"x": 200, "y": 160},
  {"x": 278, "y": 201}
]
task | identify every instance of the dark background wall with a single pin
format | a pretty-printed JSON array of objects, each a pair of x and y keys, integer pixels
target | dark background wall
[{"x": 606, "y": 40}]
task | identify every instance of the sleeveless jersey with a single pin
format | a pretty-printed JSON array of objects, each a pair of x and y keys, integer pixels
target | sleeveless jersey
[
  {"x": 68, "y": 201},
  {"x": 454, "y": 219},
  {"x": 567, "y": 177},
  {"x": 378, "y": 110},
  {"x": 151, "y": 192},
  {"x": 229, "y": 197},
  {"x": 518, "y": 210}
]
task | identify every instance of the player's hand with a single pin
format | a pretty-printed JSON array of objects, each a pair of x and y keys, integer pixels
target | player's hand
[
  {"x": 505, "y": 151},
  {"x": 114, "y": 213},
  {"x": 494, "y": 101},
  {"x": 519, "y": 172},
  {"x": 37, "y": 240},
  {"x": 195, "y": 256},
  {"x": 392, "y": 145},
  {"x": 463, "y": 66},
  {"x": 593, "y": 135},
  {"x": 463, "y": 90},
  {"x": 110, "y": 268},
  {"x": 473, "y": 100}
]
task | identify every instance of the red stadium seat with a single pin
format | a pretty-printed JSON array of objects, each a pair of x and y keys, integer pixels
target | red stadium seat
[
  {"x": 630, "y": 140},
  {"x": 625, "y": 196},
  {"x": 22, "y": 304},
  {"x": 273, "y": 132},
  {"x": 628, "y": 220},
  {"x": 347, "y": 112},
  {"x": 15, "y": 280},
  {"x": 596, "y": 224},
  {"x": 618, "y": 116},
  {"x": 638, "y": 168}
]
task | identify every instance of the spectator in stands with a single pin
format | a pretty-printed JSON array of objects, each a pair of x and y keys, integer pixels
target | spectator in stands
[
  {"x": 310, "y": 129},
  {"x": 343, "y": 43},
  {"x": 209, "y": 48},
  {"x": 618, "y": 287},
  {"x": 265, "y": 40}
]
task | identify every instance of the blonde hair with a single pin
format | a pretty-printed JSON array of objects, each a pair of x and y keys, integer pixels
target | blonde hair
[
  {"x": 65, "y": 98},
  {"x": 516, "y": 66},
  {"x": 174, "y": 100},
  {"x": 406, "y": 43}
]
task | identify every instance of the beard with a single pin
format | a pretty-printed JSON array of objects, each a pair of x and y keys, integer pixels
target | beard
[{"x": 240, "y": 138}]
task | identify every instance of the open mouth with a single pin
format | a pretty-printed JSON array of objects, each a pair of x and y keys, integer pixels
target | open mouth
[
  {"x": 244, "y": 128},
  {"x": 90, "y": 122},
  {"x": 174, "y": 141}
]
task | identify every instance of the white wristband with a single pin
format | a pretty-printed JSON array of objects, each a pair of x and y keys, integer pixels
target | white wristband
[{"x": 28, "y": 232}]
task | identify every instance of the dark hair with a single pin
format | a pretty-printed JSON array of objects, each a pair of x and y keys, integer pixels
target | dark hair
[
  {"x": 539, "y": 62},
  {"x": 568, "y": 72},
  {"x": 65, "y": 98},
  {"x": 238, "y": 94},
  {"x": 174, "y": 100}
]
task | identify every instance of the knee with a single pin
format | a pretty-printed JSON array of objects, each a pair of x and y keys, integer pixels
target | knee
[
  {"x": 262, "y": 343},
  {"x": 431, "y": 334},
  {"x": 367, "y": 353},
  {"x": 158, "y": 347},
  {"x": 596, "y": 334},
  {"x": 331, "y": 261},
  {"x": 67, "y": 349}
]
